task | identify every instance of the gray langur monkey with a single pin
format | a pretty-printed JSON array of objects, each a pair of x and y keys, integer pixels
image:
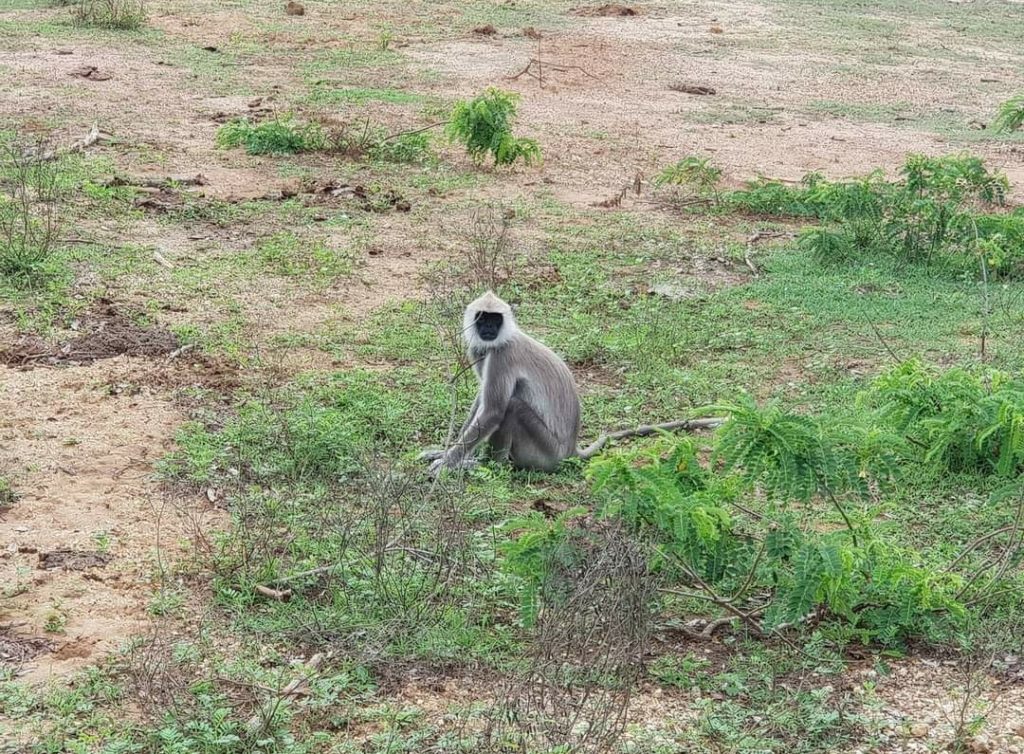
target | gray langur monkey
[{"x": 527, "y": 407}]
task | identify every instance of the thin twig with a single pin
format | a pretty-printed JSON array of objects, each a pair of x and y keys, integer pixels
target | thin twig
[{"x": 684, "y": 425}]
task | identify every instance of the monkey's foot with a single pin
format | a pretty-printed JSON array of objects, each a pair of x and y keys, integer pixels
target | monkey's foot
[
  {"x": 440, "y": 464},
  {"x": 430, "y": 455}
]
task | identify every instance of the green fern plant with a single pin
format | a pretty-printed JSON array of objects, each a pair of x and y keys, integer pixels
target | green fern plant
[
  {"x": 698, "y": 516},
  {"x": 1010, "y": 116},
  {"x": 484, "y": 126},
  {"x": 827, "y": 245},
  {"x": 957, "y": 420}
]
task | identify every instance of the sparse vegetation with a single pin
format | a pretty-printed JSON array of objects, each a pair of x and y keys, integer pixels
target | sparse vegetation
[
  {"x": 126, "y": 15},
  {"x": 484, "y": 126},
  {"x": 284, "y": 135},
  {"x": 695, "y": 174},
  {"x": 32, "y": 190},
  {"x": 839, "y": 567}
]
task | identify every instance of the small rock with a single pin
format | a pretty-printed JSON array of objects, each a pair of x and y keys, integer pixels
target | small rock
[
  {"x": 980, "y": 744},
  {"x": 671, "y": 291},
  {"x": 294, "y": 9},
  {"x": 716, "y": 30},
  {"x": 919, "y": 730}
]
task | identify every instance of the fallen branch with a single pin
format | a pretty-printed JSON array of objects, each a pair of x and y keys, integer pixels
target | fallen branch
[
  {"x": 93, "y": 137},
  {"x": 257, "y": 721},
  {"x": 540, "y": 65},
  {"x": 684, "y": 425},
  {"x": 282, "y": 595},
  {"x": 156, "y": 183},
  {"x": 395, "y": 135}
]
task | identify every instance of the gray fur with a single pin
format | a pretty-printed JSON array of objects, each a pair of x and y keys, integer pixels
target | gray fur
[{"x": 527, "y": 407}]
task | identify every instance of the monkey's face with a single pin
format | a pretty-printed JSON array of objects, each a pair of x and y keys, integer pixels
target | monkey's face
[{"x": 488, "y": 325}]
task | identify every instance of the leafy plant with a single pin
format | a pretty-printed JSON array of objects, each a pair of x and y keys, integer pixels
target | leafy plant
[
  {"x": 279, "y": 136},
  {"x": 1010, "y": 116},
  {"x": 956, "y": 420},
  {"x": 484, "y": 126},
  {"x": 696, "y": 174},
  {"x": 709, "y": 535},
  {"x": 827, "y": 245},
  {"x": 934, "y": 211}
]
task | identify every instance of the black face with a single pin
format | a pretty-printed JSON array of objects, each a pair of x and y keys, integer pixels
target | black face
[{"x": 488, "y": 325}]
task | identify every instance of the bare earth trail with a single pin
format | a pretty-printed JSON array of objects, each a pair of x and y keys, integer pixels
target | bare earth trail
[{"x": 81, "y": 450}]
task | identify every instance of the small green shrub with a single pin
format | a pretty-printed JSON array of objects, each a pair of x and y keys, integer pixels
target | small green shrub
[
  {"x": 707, "y": 531},
  {"x": 7, "y": 494},
  {"x": 939, "y": 209},
  {"x": 956, "y": 420},
  {"x": 1010, "y": 116},
  {"x": 279, "y": 136},
  {"x": 696, "y": 174},
  {"x": 828, "y": 246},
  {"x": 127, "y": 15},
  {"x": 32, "y": 192},
  {"x": 484, "y": 126}
]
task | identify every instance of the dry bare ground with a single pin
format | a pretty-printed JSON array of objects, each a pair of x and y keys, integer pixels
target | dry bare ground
[{"x": 793, "y": 94}]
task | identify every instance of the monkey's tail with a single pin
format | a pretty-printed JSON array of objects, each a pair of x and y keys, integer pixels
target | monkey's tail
[{"x": 684, "y": 425}]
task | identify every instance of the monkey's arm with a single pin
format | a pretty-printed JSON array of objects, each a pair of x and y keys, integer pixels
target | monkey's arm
[
  {"x": 485, "y": 417},
  {"x": 434, "y": 454}
]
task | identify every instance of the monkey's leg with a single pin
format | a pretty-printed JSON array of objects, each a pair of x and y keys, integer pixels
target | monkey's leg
[
  {"x": 532, "y": 445},
  {"x": 500, "y": 443}
]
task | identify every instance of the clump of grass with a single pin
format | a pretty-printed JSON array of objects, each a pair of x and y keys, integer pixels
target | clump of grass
[
  {"x": 1010, "y": 116},
  {"x": 484, "y": 126},
  {"x": 126, "y": 15},
  {"x": 283, "y": 135},
  {"x": 31, "y": 196},
  {"x": 696, "y": 175},
  {"x": 289, "y": 255},
  {"x": 412, "y": 148}
]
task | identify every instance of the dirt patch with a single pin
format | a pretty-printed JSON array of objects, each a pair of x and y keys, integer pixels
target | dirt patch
[
  {"x": 108, "y": 333},
  {"x": 73, "y": 560},
  {"x": 606, "y": 10},
  {"x": 82, "y": 457}
]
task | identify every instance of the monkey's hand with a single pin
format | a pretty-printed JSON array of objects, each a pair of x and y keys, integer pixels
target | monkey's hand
[
  {"x": 440, "y": 464},
  {"x": 431, "y": 455}
]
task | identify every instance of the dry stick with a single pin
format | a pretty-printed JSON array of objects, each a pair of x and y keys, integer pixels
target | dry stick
[
  {"x": 256, "y": 721},
  {"x": 557, "y": 67},
  {"x": 685, "y": 425},
  {"x": 395, "y": 135},
  {"x": 976, "y": 544},
  {"x": 282, "y": 595}
]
